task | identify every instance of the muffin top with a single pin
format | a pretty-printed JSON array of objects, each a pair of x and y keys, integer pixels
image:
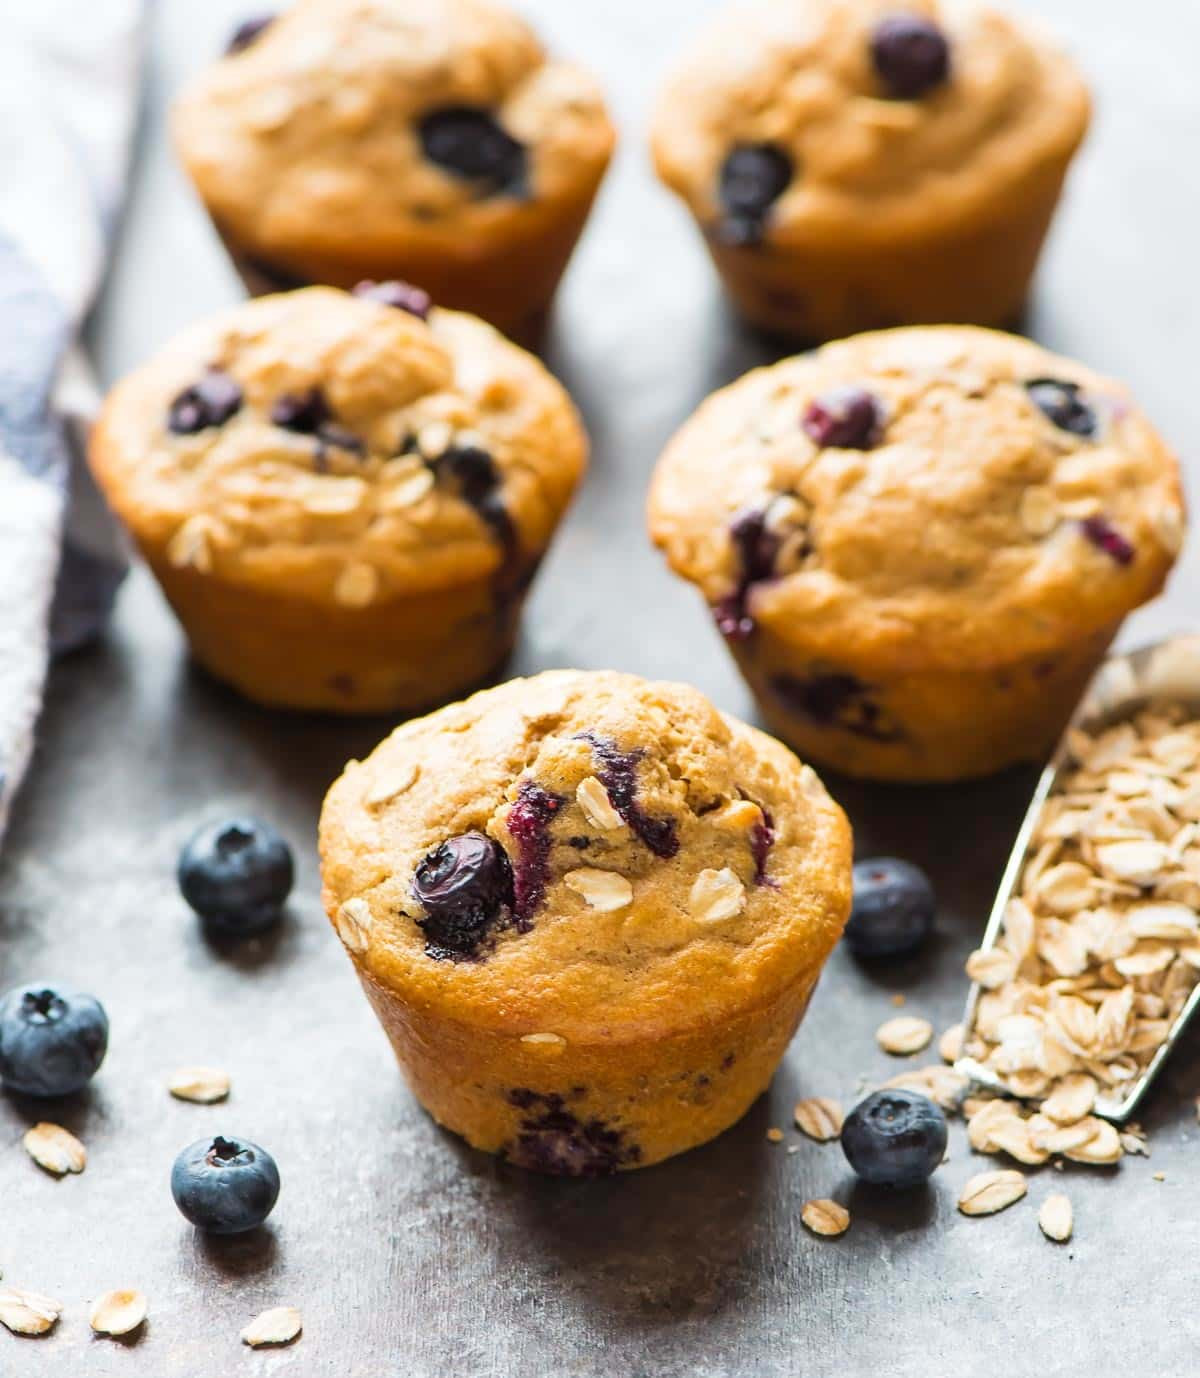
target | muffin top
[
  {"x": 346, "y": 447},
  {"x": 354, "y": 121},
  {"x": 790, "y": 119},
  {"x": 584, "y": 855},
  {"x": 934, "y": 495}
]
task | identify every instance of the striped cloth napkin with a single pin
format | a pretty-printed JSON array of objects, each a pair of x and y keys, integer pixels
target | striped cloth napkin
[{"x": 68, "y": 99}]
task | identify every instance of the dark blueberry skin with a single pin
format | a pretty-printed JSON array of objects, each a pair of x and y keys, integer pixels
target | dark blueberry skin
[
  {"x": 52, "y": 1039},
  {"x": 846, "y": 418},
  {"x": 247, "y": 32},
  {"x": 1063, "y": 404},
  {"x": 465, "y": 887},
  {"x": 529, "y": 822},
  {"x": 225, "y": 1186},
  {"x": 210, "y": 402},
  {"x": 473, "y": 473},
  {"x": 894, "y": 1138},
  {"x": 893, "y": 909},
  {"x": 468, "y": 141},
  {"x": 237, "y": 875},
  {"x": 1104, "y": 536},
  {"x": 753, "y": 178},
  {"x": 756, "y": 548},
  {"x": 911, "y": 56},
  {"x": 618, "y": 774},
  {"x": 308, "y": 413},
  {"x": 762, "y": 839},
  {"x": 401, "y": 295}
]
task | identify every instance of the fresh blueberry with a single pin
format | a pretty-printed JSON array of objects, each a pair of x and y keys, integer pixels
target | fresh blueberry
[
  {"x": 1063, "y": 404},
  {"x": 402, "y": 295},
  {"x": 237, "y": 875},
  {"x": 753, "y": 177},
  {"x": 893, "y": 909},
  {"x": 469, "y": 142},
  {"x": 210, "y": 402},
  {"x": 225, "y": 1186},
  {"x": 248, "y": 31},
  {"x": 1104, "y": 536},
  {"x": 894, "y": 1138},
  {"x": 52, "y": 1039},
  {"x": 910, "y": 54},
  {"x": 845, "y": 418},
  {"x": 465, "y": 887}
]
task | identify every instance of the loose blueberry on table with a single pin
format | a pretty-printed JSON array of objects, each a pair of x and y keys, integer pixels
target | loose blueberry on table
[
  {"x": 470, "y": 143},
  {"x": 237, "y": 875},
  {"x": 894, "y": 1138},
  {"x": 893, "y": 909},
  {"x": 465, "y": 887},
  {"x": 911, "y": 56},
  {"x": 753, "y": 177},
  {"x": 52, "y": 1039},
  {"x": 225, "y": 1185}
]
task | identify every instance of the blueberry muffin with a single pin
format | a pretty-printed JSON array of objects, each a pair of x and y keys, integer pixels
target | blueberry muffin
[
  {"x": 428, "y": 140},
  {"x": 589, "y": 912},
  {"x": 344, "y": 497},
  {"x": 918, "y": 543},
  {"x": 856, "y": 164}
]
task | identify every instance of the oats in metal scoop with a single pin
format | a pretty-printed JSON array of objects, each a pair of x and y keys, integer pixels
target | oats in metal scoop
[{"x": 54, "y": 1148}]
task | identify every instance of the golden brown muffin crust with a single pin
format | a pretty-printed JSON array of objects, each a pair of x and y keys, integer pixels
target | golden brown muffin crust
[
  {"x": 799, "y": 75},
  {"x": 716, "y": 921},
  {"x": 367, "y": 507},
  {"x": 308, "y": 140},
  {"x": 975, "y": 530}
]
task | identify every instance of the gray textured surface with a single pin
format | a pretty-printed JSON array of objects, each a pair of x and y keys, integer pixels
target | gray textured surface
[{"x": 408, "y": 1254}]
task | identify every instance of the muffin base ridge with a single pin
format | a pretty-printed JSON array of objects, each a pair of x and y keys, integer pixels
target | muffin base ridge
[
  {"x": 583, "y": 1109},
  {"x": 921, "y": 726}
]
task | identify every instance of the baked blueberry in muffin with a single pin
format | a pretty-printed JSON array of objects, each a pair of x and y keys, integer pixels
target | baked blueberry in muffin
[
  {"x": 589, "y": 911},
  {"x": 918, "y": 543},
  {"x": 345, "y": 497},
  {"x": 863, "y": 163},
  {"x": 433, "y": 141}
]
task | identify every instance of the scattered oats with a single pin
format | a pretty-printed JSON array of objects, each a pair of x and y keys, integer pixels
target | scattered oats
[
  {"x": 943, "y": 1085},
  {"x": 353, "y": 924},
  {"x": 389, "y": 785},
  {"x": 904, "y": 1035},
  {"x": 983, "y": 1120},
  {"x": 989, "y": 1192},
  {"x": 279, "y": 1326},
  {"x": 118, "y": 1313},
  {"x": 605, "y": 891},
  {"x": 716, "y": 895},
  {"x": 357, "y": 586},
  {"x": 825, "y": 1217},
  {"x": 775, "y": 1136},
  {"x": 1102, "y": 1148},
  {"x": 1133, "y": 1141},
  {"x": 792, "y": 1149},
  {"x": 819, "y": 1117},
  {"x": 1056, "y": 1219},
  {"x": 54, "y": 1148},
  {"x": 597, "y": 806},
  {"x": 950, "y": 1045},
  {"x": 898, "y": 999},
  {"x": 204, "y": 1085},
  {"x": 28, "y": 1313},
  {"x": 1159, "y": 1176}
]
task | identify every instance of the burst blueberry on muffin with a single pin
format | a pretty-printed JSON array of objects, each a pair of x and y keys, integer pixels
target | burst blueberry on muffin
[
  {"x": 344, "y": 497},
  {"x": 428, "y": 140},
  {"x": 865, "y": 163},
  {"x": 918, "y": 543},
  {"x": 589, "y": 912}
]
